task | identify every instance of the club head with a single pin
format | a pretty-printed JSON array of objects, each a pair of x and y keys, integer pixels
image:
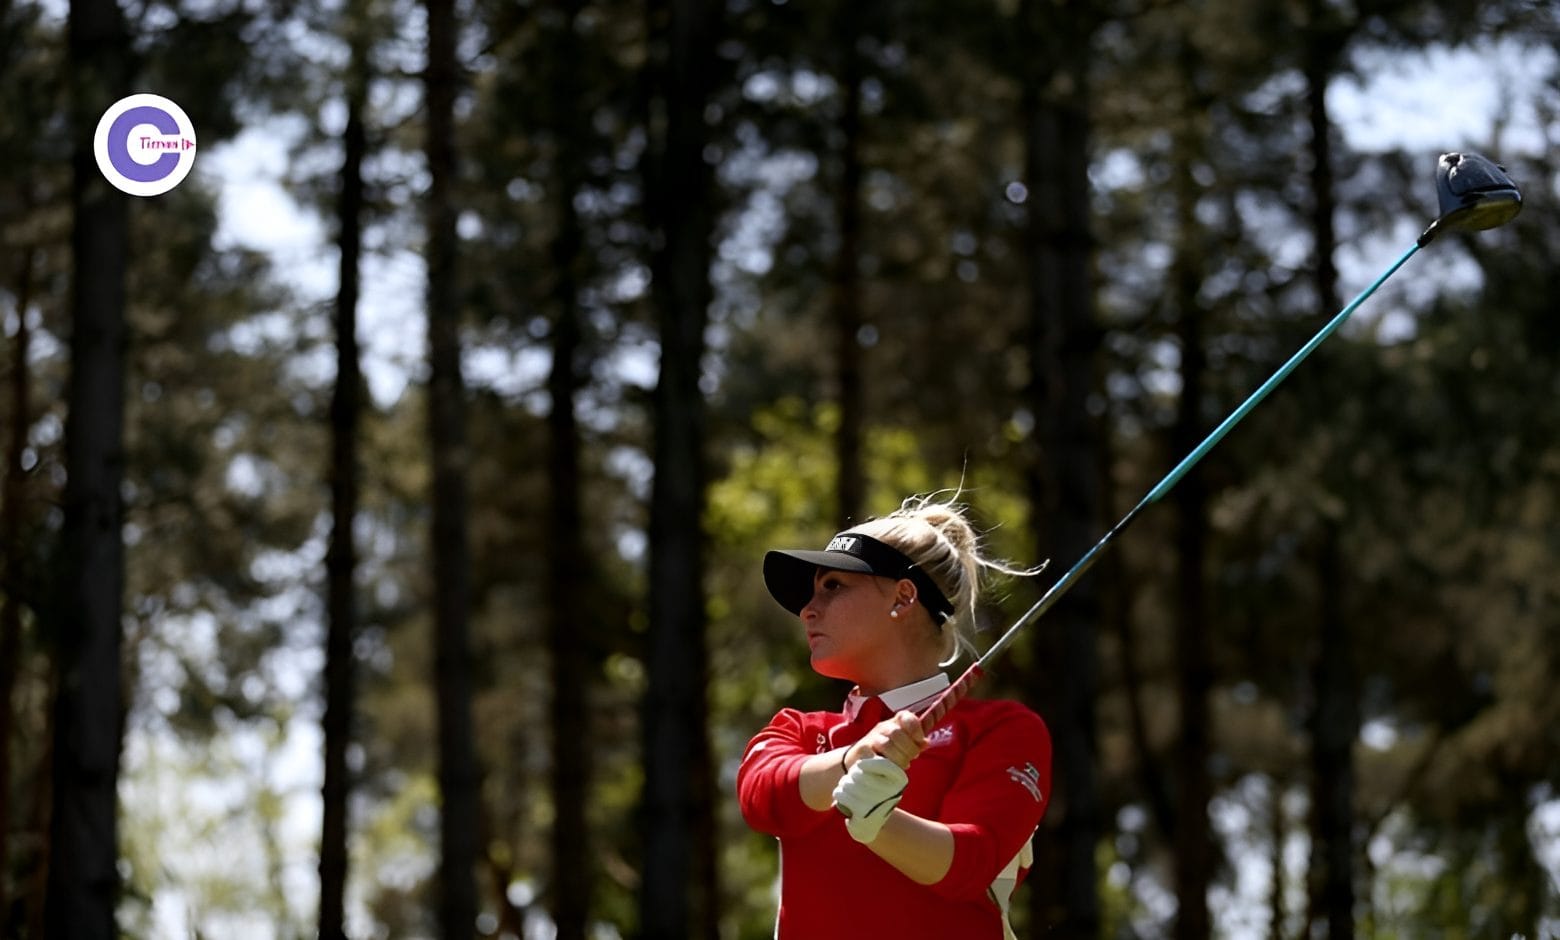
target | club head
[{"x": 1475, "y": 194}]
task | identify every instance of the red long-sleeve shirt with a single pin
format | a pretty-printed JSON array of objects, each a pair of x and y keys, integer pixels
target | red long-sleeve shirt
[{"x": 986, "y": 774}]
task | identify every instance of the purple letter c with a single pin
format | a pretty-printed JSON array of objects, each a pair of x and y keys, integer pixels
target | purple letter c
[{"x": 119, "y": 150}]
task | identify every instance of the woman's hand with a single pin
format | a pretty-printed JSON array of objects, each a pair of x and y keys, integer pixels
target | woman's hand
[
  {"x": 899, "y": 738},
  {"x": 866, "y": 796}
]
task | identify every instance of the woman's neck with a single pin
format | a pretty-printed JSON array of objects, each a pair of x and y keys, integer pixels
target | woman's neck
[{"x": 889, "y": 680}]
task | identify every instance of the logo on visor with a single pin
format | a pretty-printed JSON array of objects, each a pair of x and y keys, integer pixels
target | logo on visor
[
  {"x": 842, "y": 543},
  {"x": 145, "y": 145}
]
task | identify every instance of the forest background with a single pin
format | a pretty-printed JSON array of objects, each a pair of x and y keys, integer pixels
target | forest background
[{"x": 383, "y": 507}]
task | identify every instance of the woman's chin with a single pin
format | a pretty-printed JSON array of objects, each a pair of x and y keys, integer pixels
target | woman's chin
[{"x": 827, "y": 667}]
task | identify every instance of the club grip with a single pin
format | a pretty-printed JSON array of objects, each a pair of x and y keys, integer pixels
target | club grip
[
  {"x": 941, "y": 706},
  {"x": 950, "y": 697}
]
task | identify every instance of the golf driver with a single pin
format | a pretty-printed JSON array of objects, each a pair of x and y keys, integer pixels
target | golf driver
[{"x": 1475, "y": 194}]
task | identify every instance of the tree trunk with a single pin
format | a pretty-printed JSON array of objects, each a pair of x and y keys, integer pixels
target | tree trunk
[
  {"x": 1192, "y": 841},
  {"x": 1279, "y": 830},
  {"x": 845, "y": 287},
  {"x": 1064, "y": 484},
  {"x": 1334, "y": 726},
  {"x": 568, "y": 565},
  {"x": 11, "y": 553},
  {"x": 1191, "y": 830},
  {"x": 341, "y": 555},
  {"x": 678, "y": 894},
  {"x": 1335, "y": 723},
  {"x": 83, "y": 880},
  {"x": 458, "y": 773}
]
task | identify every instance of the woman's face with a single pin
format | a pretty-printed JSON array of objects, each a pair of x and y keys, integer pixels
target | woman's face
[{"x": 849, "y": 631}]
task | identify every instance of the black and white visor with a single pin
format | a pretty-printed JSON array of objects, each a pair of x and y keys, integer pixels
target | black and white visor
[{"x": 789, "y": 574}]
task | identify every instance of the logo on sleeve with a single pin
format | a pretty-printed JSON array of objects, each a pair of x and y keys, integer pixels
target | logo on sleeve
[{"x": 1028, "y": 778}]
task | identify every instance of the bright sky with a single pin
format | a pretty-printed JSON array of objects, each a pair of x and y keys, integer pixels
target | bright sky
[
  {"x": 258, "y": 213},
  {"x": 1433, "y": 103},
  {"x": 1479, "y": 99}
]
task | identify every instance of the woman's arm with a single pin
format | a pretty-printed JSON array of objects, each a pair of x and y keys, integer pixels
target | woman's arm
[
  {"x": 920, "y": 848},
  {"x": 899, "y": 738},
  {"x": 820, "y": 774},
  {"x": 777, "y": 774},
  {"x": 991, "y": 809}
]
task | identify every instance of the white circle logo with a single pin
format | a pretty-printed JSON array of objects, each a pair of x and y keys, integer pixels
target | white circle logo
[{"x": 145, "y": 145}]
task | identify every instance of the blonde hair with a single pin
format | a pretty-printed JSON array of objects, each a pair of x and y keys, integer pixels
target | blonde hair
[{"x": 939, "y": 538}]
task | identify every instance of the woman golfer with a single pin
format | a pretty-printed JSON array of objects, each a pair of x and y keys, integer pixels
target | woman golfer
[{"x": 885, "y": 831}]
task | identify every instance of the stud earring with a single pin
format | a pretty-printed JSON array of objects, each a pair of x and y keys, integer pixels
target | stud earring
[{"x": 894, "y": 613}]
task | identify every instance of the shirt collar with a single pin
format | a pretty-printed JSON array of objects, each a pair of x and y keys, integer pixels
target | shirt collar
[{"x": 897, "y": 700}]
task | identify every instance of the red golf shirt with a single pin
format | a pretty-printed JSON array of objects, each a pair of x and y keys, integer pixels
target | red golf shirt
[{"x": 986, "y": 774}]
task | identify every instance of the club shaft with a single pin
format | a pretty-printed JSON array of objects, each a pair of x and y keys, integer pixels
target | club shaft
[
  {"x": 960, "y": 688},
  {"x": 1191, "y": 459}
]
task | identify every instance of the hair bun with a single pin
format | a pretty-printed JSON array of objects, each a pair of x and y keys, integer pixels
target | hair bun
[{"x": 938, "y": 536}]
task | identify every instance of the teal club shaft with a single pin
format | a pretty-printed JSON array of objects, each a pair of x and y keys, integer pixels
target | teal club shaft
[
  {"x": 958, "y": 689},
  {"x": 1191, "y": 459}
]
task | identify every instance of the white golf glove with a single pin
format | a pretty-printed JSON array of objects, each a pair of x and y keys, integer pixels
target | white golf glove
[{"x": 868, "y": 794}]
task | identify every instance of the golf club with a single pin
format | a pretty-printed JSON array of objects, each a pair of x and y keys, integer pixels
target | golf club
[{"x": 1475, "y": 194}]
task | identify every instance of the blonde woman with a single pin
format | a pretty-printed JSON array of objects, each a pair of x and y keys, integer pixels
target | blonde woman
[{"x": 885, "y": 830}]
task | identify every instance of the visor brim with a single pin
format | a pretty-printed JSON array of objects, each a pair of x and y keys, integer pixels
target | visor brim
[{"x": 789, "y": 574}]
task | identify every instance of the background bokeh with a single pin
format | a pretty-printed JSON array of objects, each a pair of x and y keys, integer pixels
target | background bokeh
[{"x": 720, "y": 277}]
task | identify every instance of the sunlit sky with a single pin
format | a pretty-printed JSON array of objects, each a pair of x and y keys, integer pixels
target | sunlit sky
[
  {"x": 1430, "y": 103},
  {"x": 1476, "y": 99}
]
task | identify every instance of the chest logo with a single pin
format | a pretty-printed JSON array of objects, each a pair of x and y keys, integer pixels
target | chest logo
[{"x": 940, "y": 737}]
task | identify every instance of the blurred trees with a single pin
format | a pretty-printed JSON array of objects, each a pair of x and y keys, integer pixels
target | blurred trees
[
  {"x": 701, "y": 278},
  {"x": 82, "y": 854},
  {"x": 459, "y": 773},
  {"x": 679, "y": 887},
  {"x": 341, "y": 556},
  {"x": 1048, "y": 54},
  {"x": 31, "y": 244}
]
